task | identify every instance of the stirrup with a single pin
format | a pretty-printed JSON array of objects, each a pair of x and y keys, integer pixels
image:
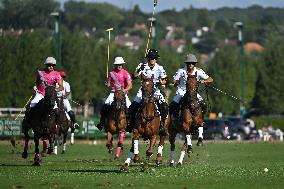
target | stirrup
[{"x": 77, "y": 126}]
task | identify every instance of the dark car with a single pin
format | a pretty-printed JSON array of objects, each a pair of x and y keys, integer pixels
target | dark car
[
  {"x": 239, "y": 128},
  {"x": 216, "y": 129}
]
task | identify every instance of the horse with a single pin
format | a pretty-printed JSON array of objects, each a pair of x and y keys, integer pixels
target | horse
[
  {"x": 63, "y": 125},
  {"x": 42, "y": 121},
  {"x": 116, "y": 122},
  {"x": 147, "y": 125},
  {"x": 190, "y": 118}
]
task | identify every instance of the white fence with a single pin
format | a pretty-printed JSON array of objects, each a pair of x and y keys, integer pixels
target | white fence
[{"x": 12, "y": 112}]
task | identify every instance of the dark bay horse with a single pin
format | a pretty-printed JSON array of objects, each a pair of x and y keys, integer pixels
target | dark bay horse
[
  {"x": 116, "y": 122},
  {"x": 147, "y": 125},
  {"x": 41, "y": 121},
  {"x": 190, "y": 118},
  {"x": 63, "y": 125}
]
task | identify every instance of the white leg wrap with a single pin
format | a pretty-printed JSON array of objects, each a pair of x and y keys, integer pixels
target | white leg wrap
[
  {"x": 130, "y": 155},
  {"x": 182, "y": 153},
  {"x": 172, "y": 153},
  {"x": 72, "y": 138},
  {"x": 135, "y": 144},
  {"x": 55, "y": 150},
  {"x": 64, "y": 146},
  {"x": 188, "y": 139},
  {"x": 200, "y": 132},
  {"x": 160, "y": 150}
]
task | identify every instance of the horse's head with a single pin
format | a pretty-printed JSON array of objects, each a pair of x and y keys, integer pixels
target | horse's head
[
  {"x": 192, "y": 85},
  {"x": 119, "y": 99},
  {"x": 50, "y": 96},
  {"x": 147, "y": 88}
]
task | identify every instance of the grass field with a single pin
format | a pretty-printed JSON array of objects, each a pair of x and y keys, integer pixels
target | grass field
[{"x": 215, "y": 165}]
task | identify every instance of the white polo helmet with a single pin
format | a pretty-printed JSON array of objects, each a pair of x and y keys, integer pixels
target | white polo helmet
[
  {"x": 118, "y": 60},
  {"x": 50, "y": 60}
]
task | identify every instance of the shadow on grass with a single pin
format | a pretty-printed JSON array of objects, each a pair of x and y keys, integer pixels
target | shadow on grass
[
  {"x": 88, "y": 171},
  {"x": 13, "y": 165}
]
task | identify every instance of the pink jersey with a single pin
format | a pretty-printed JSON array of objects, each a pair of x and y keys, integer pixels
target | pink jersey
[
  {"x": 51, "y": 78},
  {"x": 122, "y": 76}
]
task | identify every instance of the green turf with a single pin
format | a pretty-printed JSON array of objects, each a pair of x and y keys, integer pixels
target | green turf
[{"x": 231, "y": 165}]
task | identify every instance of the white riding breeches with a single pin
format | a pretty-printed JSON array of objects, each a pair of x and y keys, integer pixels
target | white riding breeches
[
  {"x": 110, "y": 99},
  {"x": 37, "y": 98},
  {"x": 180, "y": 93},
  {"x": 158, "y": 95},
  {"x": 67, "y": 105}
]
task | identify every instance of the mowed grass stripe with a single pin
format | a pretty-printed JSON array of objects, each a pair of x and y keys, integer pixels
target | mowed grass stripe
[{"x": 215, "y": 165}]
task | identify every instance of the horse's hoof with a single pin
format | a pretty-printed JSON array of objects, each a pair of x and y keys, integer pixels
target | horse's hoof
[
  {"x": 36, "y": 163},
  {"x": 179, "y": 164},
  {"x": 149, "y": 154},
  {"x": 49, "y": 151},
  {"x": 124, "y": 167},
  {"x": 189, "y": 150},
  {"x": 25, "y": 154},
  {"x": 171, "y": 164},
  {"x": 158, "y": 162},
  {"x": 199, "y": 142},
  {"x": 136, "y": 159},
  {"x": 63, "y": 152},
  {"x": 43, "y": 154}
]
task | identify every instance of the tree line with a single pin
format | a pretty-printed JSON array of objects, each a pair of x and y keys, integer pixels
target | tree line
[{"x": 84, "y": 57}]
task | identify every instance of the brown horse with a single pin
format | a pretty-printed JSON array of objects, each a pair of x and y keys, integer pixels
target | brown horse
[
  {"x": 42, "y": 121},
  {"x": 190, "y": 118},
  {"x": 116, "y": 122},
  {"x": 63, "y": 125},
  {"x": 147, "y": 125}
]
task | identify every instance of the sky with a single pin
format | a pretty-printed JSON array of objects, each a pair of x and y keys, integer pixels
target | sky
[{"x": 147, "y": 5}]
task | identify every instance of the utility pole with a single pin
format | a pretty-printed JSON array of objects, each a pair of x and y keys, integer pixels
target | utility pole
[
  {"x": 239, "y": 26},
  {"x": 57, "y": 23}
]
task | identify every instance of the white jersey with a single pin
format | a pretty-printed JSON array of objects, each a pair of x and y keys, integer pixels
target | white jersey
[
  {"x": 181, "y": 76},
  {"x": 66, "y": 89},
  {"x": 157, "y": 72}
]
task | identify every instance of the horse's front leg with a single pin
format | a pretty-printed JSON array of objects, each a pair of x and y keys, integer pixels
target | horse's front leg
[
  {"x": 37, "y": 156},
  {"x": 64, "y": 142},
  {"x": 150, "y": 151},
  {"x": 189, "y": 143},
  {"x": 26, "y": 144},
  {"x": 133, "y": 150},
  {"x": 120, "y": 142},
  {"x": 160, "y": 149},
  {"x": 51, "y": 144},
  {"x": 109, "y": 142},
  {"x": 182, "y": 153},
  {"x": 172, "y": 139}
]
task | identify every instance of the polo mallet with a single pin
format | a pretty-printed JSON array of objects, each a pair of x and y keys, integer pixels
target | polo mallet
[
  {"x": 24, "y": 107},
  {"x": 151, "y": 26},
  {"x": 108, "y": 46}
]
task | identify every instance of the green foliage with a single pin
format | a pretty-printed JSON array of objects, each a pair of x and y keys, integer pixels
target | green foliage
[
  {"x": 84, "y": 49},
  {"x": 269, "y": 85},
  {"x": 224, "y": 69}
]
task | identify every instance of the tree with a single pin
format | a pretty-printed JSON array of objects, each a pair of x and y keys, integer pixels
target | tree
[{"x": 269, "y": 85}]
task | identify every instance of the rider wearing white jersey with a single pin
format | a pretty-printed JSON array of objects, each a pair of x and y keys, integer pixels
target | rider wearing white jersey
[
  {"x": 151, "y": 69},
  {"x": 64, "y": 94},
  {"x": 180, "y": 79}
]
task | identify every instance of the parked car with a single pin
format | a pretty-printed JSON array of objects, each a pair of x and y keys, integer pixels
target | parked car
[
  {"x": 217, "y": 129},
  {"x": 240, "y": 128}
]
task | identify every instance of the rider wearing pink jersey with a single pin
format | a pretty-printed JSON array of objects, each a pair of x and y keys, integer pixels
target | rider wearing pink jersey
[
  {"x": 118, "y": 79},
  {"x": 45, "y": 77}
]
